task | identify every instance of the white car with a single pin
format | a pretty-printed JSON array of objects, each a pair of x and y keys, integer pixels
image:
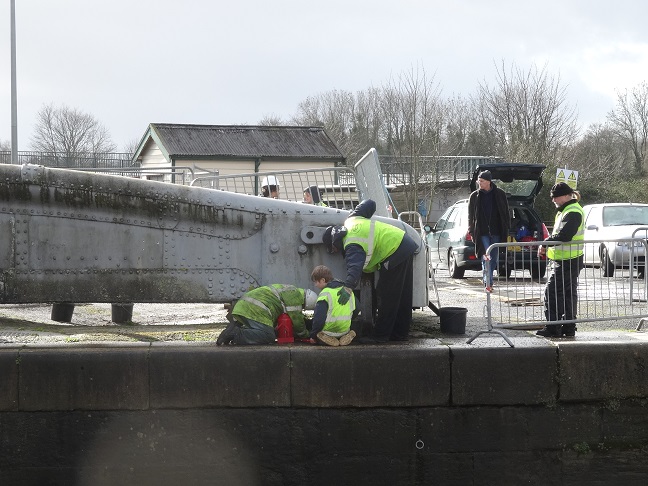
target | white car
[{"x": 616, "y": 221}]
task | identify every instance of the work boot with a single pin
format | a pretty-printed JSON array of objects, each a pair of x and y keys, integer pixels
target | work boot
[
  {"x": 347, "y": 338},
  {"x": 328, "y": 340},
  {"x": 225, "y": 337},
  {"x": 569, "y": 330},
  {"x": 553, "y": 330}
]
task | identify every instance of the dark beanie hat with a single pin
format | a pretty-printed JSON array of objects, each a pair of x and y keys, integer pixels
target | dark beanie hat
[
  {"x": 486, "y": 175},
  {"x": 561, "y": 189},
  {"x": 333, "y": 237}
]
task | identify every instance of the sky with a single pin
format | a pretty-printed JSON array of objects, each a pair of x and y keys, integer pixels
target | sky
[{"x": 134, "y": 62}]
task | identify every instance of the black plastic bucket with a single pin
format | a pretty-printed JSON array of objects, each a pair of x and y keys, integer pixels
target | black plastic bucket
[{"x": 453, "y": 319}]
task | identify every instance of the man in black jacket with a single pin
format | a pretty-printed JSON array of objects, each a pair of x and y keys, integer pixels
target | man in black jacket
[{"x": 488, "y": 221}]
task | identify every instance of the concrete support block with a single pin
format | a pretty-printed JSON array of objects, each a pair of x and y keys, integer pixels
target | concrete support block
[
  {"x": 9, "y": 379},
  {"x": 97, "y": 378},
  {"x": 121, "y": 313},
  {"x": 371, "y": 376},
  {"x": 196, "y": 376},
  {"x": 605, "y": 370},
  {"x": 62, "y": 312},
  {"x": 504, "y": 376}
]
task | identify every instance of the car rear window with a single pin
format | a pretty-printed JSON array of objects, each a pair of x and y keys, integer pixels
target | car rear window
[
  {"x": 625, "y": 215},
  {"x": 518, "y": 188}
]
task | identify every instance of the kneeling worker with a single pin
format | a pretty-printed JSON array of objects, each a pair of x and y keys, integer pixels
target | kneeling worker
[
  {"x": 331, "y": 320},
  {"x": 255, "y": 314}
]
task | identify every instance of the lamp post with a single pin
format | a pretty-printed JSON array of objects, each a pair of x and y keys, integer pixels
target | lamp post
[{"x": 14, "y": 105}]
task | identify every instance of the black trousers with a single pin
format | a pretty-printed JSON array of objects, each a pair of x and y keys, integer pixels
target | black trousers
[
  {"x": 561, "y": 292},
  {"x": 394, "y": 293}
]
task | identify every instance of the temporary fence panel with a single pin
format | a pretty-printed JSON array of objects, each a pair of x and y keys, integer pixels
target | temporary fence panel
[
  {"x": 175, "y": 174},
  {"x": 519, "y": 301},
  {"x": 370, "y": 183},
  {"x": 336, "y": 184}
]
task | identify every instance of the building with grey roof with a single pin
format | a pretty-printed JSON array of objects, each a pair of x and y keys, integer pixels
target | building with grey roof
[{"x": 232, "y": 149}]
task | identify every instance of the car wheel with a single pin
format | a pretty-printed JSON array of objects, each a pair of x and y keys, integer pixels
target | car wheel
[
  {"x": 538, "y": 271},
  {"x": 453, "y": 269},
  {"x": 606, "y": 263}
]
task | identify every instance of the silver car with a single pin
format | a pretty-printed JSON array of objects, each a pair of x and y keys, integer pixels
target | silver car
[{"x": 616, "y": 221}]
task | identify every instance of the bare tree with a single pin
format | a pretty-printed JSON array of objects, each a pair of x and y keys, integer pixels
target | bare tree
[
  {"x": 602, "y": 153},
  {"x": 70, "y": 133},
  {"x": 630, "y": 121},
  {"x": 367, "y": 121},
  {"x": 131, "y": 146},
  {"x": 5, "y": 146},
  {"x": 461, "y": 122},
  {"x": 350, "y": 120},
  {"x": 525, "y": 115},
  {"x": 271, "y": 120},
  {"x": 414, "y": 119}
]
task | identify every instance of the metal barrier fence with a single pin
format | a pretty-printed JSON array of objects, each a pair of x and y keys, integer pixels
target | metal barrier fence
[
  {"x": 519, "y": 301},
  {"x": 430, "y": 168},
  {"x": 55, "y": 159},
  {"x": 177, "y": 174},
  {"x": 336, "y": 184}
]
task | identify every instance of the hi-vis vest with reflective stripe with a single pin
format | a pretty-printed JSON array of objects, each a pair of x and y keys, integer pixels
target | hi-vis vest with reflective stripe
[
  {"x": 265, "y": 304},
  {"x": 567, "y": 252},
  {"x": 338, "y": 317},
  {"x": 377, "y": 239}
]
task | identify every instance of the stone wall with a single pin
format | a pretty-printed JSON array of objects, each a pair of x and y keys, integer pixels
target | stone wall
[{"x": 575, "y": 413}]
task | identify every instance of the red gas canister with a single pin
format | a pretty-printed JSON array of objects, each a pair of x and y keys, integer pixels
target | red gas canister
[{"x": 285, "y": 329}]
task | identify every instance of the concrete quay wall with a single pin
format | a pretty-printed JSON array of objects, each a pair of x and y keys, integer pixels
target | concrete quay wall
[{"x": 573, "y": 413}]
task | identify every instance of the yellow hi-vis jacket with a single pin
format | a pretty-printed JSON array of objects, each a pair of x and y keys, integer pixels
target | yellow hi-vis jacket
[
  {"x": 265, "y": 304},
  {"x": 567, "y": 252},
  {"x": 338, "y": 316},
  {"x": 378, "y": 240}
]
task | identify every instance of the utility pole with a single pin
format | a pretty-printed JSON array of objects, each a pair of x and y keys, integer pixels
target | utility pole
[{"x": 14, "y": 104}]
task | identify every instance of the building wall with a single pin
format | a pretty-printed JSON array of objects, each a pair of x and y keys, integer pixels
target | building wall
[{"x": 152, "y": 157}]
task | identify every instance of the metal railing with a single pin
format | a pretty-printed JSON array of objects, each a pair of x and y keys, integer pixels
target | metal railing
[
  {"x": 55, "y": 159},
  {"x": 519, "y": 302},
  {"x": 429, "y": 168},
  {"x": 177, "y": 174},
  {"x": 395, "y": 169},
  {"x": 336, "y": 184}
]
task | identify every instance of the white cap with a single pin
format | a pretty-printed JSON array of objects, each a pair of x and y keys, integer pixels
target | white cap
[
  {"x": 310, "y": 299},
  {"x": 269, "y": 181}
]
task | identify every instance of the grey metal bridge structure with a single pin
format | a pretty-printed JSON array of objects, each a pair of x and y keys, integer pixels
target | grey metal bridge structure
[{"x": 70, "y": 236}]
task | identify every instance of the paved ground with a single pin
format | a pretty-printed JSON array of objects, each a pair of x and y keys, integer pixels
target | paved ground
[{"x": 31, "y": 323}]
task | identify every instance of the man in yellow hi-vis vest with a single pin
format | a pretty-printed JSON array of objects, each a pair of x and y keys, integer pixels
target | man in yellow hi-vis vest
[
  {"x": 561, "y": 298},
  {"x": 331, "y": 319},
  {"x": 369, "y": 245}
]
